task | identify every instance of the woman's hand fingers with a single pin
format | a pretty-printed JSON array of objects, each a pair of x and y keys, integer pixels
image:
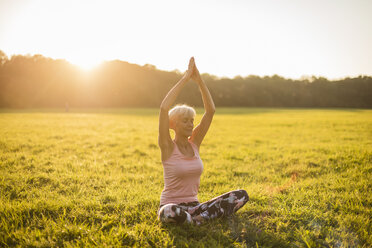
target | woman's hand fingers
[
  {"x": 191, "y": 64},
  {"x": 195, "y": 74},
  {"x": 190, "y": 70}
]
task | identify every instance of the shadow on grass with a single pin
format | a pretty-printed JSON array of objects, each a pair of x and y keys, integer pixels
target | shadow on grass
[
  {"x": 155, "y": 111},
  {"x": 267, "y": 110},
  {"x": 110, "y": 111},
  {"x": 232, "y": 231}
]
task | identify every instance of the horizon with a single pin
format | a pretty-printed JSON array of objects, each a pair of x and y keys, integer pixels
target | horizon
[
  {"x": 92, "y": 69},
  {"x": 293, "y": 40},
  {"x": 97, "y": 66}
]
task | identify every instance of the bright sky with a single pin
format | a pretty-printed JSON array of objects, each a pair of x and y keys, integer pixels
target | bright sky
[{"x": 291, "y": 38}]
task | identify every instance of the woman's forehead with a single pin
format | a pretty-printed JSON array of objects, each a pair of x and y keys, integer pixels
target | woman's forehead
[{"x": 187, "y": 116}]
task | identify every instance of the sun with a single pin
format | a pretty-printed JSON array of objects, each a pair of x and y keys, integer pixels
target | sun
[
  {"x": 84, "y": 60},
  {"x": 86, "y": 64}
]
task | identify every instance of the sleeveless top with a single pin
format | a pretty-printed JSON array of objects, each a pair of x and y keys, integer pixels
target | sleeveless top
[{"x": 181, "y": 177}]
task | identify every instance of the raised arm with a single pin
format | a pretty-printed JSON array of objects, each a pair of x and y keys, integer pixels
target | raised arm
[
  {"x": 165, "y": 140},
  {"x": 201, "y": 130}
]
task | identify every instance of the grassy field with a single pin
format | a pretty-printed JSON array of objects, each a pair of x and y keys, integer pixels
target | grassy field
[{"x": 93, "y": 178}]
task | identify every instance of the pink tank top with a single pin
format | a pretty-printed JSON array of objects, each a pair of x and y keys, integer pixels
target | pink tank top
[{"x": 181, "y": 177}]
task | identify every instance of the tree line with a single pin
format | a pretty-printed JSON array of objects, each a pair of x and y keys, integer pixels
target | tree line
[{"x": 37, "y": 81}]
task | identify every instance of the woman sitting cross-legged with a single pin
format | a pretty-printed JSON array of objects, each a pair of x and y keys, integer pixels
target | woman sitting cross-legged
[{"x": 181, "y": 161}]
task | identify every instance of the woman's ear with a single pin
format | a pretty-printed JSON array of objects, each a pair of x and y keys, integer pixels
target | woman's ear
[{"x": 172, "y": 124}]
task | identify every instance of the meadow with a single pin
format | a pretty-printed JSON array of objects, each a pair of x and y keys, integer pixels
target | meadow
[{"x": 94, "y": 177}]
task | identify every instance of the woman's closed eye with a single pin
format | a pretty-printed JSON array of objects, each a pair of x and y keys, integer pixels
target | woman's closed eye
[{"x": 187, "y": 120}]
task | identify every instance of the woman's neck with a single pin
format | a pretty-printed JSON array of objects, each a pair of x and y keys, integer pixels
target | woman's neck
[{"x": 181, "y": 140}]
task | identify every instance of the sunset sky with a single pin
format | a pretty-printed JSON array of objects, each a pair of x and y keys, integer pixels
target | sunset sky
[{"x": 291, "y": 38}]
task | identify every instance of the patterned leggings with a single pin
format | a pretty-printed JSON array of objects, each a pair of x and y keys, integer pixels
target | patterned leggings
[{"x": 195, "y": 212}]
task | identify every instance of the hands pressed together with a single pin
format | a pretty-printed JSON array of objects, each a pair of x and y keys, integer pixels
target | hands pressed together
[{"x": 192, "y": 72}]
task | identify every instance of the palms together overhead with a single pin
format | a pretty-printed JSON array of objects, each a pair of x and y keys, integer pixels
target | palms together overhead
[{"x": 192, "y": 71}]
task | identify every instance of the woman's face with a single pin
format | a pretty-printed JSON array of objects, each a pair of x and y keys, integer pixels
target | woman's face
[{"x": 185, "y": 125}]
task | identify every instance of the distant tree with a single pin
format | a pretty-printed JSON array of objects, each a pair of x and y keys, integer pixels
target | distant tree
[
  {"x": 3, "y": 57},
  {"x": 37, "y": 81}
]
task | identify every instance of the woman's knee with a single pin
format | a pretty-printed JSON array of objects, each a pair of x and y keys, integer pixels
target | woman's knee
[
  {"x": 242, "y": 199},
  {"x": 172, "y": 213},
  {"x": 243, "y": 194},
  {"x": 239, "y": 194}
]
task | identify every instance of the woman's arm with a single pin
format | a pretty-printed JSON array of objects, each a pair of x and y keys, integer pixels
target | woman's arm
[
  {"x": 165, "y": 140},
  {"x": 201, "y": 130}
]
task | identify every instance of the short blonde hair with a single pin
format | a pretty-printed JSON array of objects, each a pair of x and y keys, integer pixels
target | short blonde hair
[{"x": 179, "y": 111}]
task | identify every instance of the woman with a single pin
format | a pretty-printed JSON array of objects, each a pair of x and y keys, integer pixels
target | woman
[{"x": 182, "y": 164}]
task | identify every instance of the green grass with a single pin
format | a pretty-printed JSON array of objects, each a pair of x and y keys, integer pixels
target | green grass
[{"x": 94, "y": 177}]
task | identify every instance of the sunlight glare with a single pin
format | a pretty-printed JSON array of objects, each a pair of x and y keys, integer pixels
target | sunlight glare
[
  {"x": 248, "y": 40},
  {"x": 85, "y": 63}
]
